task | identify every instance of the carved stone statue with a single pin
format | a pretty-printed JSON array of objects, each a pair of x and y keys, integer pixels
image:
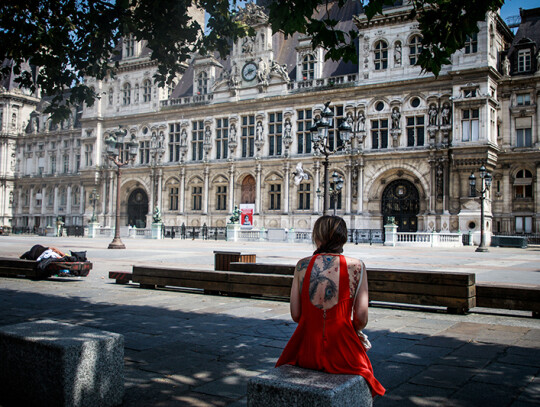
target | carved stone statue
[
  {"x": 235, "y": 217},
  {"x": 361, "y": 121},
  {"x": 262, "y": 72},
  {"x": 432, "y": 113},
  {"x": 506, "y": 66},
  {"x": 396, "y": 115},
  {"x": 397, "y": 54},
  {"x": 259, "y": 131},
  {"x": 445, "y": 114},
  {"x": 156, "y": 217},
  {"x": 280, "y": 70}
]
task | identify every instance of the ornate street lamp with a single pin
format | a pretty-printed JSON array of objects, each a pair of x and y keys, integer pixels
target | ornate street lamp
[
  {"x": 486, "y": 185},
  {"x": 319, "y": 139},
  {"x": 94, "y": 197},
  {"x": 116, "y": 153},
  {"x": 336, "y": 190}
]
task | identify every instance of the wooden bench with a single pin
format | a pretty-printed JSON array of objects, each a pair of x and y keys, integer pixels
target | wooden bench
[
  {"x": 224, "y": 282},
  {"x": 10, "y": 267},
  {"x": 121, "y": 277},
  {"x": 222, "y": 260},
  {"x": 288, "y": 385},
  {"x": 456, "y": 291},
  {"x": 263, "y": 268},
  {"x": 522, "y": 297}
]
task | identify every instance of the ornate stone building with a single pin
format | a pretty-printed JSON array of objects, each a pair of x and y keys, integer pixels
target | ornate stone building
[{"x": 232, "y": 132}]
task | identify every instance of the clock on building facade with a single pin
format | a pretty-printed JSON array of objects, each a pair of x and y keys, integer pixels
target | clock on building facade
[{"x": 249, "y": 71}]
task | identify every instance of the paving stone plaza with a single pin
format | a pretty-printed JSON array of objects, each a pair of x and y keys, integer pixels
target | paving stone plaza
[{"x": 184, "y": 348}]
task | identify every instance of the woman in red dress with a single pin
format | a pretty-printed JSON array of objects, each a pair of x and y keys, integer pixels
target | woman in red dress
[{"x": 327, "y": 288}]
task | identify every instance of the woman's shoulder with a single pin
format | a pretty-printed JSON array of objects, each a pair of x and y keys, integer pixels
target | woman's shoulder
[
  {"x": 303, "y": 264},
  {"x": 353, "y": 262}
]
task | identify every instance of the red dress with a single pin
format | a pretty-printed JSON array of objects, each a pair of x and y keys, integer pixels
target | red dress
[{"x": 325, "y": 340}]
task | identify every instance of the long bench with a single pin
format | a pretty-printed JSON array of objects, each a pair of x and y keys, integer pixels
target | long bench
[
  {"x": 287, "y": 386},
  {"x": 523, "y": 297},
  {"x": 224, "y": 282},
  {"x": 11, "y": 267}
]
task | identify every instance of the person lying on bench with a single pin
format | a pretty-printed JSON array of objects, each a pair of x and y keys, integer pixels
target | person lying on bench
[
  {"x": 46, "y": 255},
  {"x": 327, "y": 288}
]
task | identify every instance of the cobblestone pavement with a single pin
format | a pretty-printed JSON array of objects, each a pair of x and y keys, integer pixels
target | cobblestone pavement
[{"x": 184, "y": 348}]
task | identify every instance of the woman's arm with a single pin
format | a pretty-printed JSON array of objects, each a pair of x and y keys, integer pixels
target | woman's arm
[
  {"x": 296, "y": 288},
  {"x": 361, "y": 302}
]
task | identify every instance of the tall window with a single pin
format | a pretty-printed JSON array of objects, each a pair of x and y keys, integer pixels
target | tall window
[
  {"x": 379, "y": 133},
  {"x": 524, "y": 60},
  {"x": 126, "y": 94},
  {"x": 174, "y": 142},
  {"x": 275, "y": 197},
  {"x": 202, "y": 83},
  {"x": 144, "y": 152},
  {"x": 523, "y": 224},
  {"x": 53, "y": 164},
  {"x": 381, "y": 55},
  {"x": 88, "y": 153},
  {"x": 222, "y": 138},
  {"x": 471, "y": 44},
  {"x": 197, "y": 138},
  {"x": 197, "y": 198},
  {"x": 308, "y": 67},
  {"x": 147, "y": 90},
  {"x": 334, "y": 141},
  {"x": 523, "y": 134},
  {"x": 77, "y": 162},
  {"x": 469, "y": 125},
  {"x": 75, "y": 196},
  {"x": 173, "y": 199},
  {"x": 63, "y": 198},
  {"x": 415, "y": 131},
  {"x": 415, "y": 49},
  {"x": 65, "y": 164},
  {"x": 130, "y": 46},
  {"x": 275, "y": 129},
  {"x": 523, "y": 99},
  {"x": 304, "y": 196},
  {"x": 335, "y": 202},
  {"x": 303, "y": 123},
  {"x": 50, "y": 197},
  {"x": 221, "y": 198},
  {"x": 523, "y": 184},
  {"x": 248, "y": 136}
]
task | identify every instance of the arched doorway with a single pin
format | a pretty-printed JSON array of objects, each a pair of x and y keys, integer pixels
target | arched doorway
[
  {"x": 137, "y": 208},
  {"x": 248, "y": 190},
  {"x": 401, "y": 200}
]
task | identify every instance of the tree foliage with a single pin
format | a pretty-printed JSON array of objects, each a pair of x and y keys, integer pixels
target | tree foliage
[{"x": 72, "y": 39}]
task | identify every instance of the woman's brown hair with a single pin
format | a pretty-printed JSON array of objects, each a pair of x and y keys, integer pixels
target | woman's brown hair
[{"x": 330, "y": 232}]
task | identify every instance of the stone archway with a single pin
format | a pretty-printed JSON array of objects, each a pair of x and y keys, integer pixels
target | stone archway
[
  {"x": 248, "y": 190},
  {"x": 401, "y": 200},
  {"x": 137, "y": 208}
]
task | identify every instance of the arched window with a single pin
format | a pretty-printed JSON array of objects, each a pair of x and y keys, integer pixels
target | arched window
[
  {"x": 126, "y": 92},
  {"x": 147, "y": 90},
  {"x": 381, "y": 55},
  {"x": 202, "y": 83},
  {"x": 129, "y": 44},
  {"x": 415, "y": 49},
  {"x": 308, "y": 67},
  {"x": 523, "y": 184}
]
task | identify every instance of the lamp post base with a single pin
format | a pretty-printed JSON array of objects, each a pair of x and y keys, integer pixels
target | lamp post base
[
  {"x": 116, "y": 244},
  {"x": 481, "y": 249}
]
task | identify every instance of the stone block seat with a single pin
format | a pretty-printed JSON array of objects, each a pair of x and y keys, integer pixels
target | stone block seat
[
  {"x": 50, "y": 363},
  {"x": 288, "y": 385}
]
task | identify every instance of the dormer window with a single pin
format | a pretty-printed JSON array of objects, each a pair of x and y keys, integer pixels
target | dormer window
[
  {"x": 381, "y": 55},
  {"x": 129, "y": 47},
  {"x": 470, "y": 93},
  {"x": 524, "y": 60},
  {"x": 202, "y": 83},
  {"x": 471, "y": 44},
  {"x": 308, "y": 67}
]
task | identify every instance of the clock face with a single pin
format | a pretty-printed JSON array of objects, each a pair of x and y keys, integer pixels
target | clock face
[{"x": 249, "y": 71}]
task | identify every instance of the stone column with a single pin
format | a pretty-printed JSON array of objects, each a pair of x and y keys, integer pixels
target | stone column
[
  {"x": 360, "y": 181},
  {"x": 316, "y": 186},
  {"x": 68, "y": 201},
  {"x": 55, "y": 205},
  {"x": 82, "y": 201},
  {"x": 432, "y": 186},
  {"x": 182, "y": 189},
  {"x": 31, "y": 203},
  {"x": 286, "y": 167},
  {"x": 258, "y": 171},
  {"x": 43, "y": 195},
  {"x": 231, "y": 188},
  {"x": 206, "y": 190},
  {"x": 160, "y": 188},
  {"x": 153, "y": 179},
  {"x": 348, "y": 190}
]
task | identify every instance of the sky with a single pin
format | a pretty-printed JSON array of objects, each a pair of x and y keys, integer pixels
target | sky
[{"x": 511, "y": 7}]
